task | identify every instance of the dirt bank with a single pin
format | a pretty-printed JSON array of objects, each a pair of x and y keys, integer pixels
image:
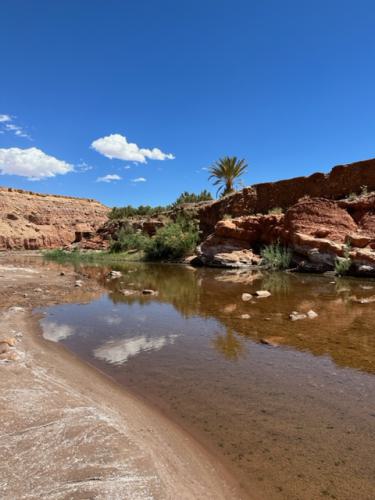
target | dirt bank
[{"x": 69, "y": 432}]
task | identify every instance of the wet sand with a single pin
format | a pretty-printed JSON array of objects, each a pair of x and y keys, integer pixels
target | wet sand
[{"x": 67, "y": 431}]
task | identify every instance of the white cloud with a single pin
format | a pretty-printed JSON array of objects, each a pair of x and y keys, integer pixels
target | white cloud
[
  {"x": 109, "y": 178},
  {"x": 12, "y": 127},
  {"x": 117, "y": 146},
  {"x": 31, "y": 163},
  {"x": 82, "y": 166},
  {"x": 139, "y": 179}
]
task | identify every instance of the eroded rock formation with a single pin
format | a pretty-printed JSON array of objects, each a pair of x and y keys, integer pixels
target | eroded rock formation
[
  {"x": 317, "y": 230},
  {"x": 32, "y": 221},
  {"x": 341, "y": 181}
]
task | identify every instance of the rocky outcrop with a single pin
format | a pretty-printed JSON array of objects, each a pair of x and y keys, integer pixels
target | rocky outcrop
[
  {"x": 317, "y": 230},
  {"x": 339, "y": 183},
  {"x": 32, "y": 221},
  {"x": 146, "y": 225}
]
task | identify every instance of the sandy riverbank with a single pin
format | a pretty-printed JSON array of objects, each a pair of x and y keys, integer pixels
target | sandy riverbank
[{"x": 69, "y": 432}]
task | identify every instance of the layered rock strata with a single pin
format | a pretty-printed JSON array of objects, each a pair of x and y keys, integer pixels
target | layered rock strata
[
  {"x": 317, "y": 230},
  {"x": 33, "y": 221}
]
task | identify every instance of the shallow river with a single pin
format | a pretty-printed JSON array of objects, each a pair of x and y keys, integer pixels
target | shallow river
[{"x": 293, "y": 421}]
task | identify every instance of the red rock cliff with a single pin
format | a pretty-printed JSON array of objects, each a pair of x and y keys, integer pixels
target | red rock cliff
[
  {"x": 31, "y": 220},
  {"x": 260, "y": 198}
]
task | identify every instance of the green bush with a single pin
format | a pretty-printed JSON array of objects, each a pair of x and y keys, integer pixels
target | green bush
[
  {"x": 276, "y": 256},
  {"x": 275, "y": 211},
  {"x": 173, "y": 241},
  {"x": 128, "y": 239},
  {"x": 342, "y": 264}
]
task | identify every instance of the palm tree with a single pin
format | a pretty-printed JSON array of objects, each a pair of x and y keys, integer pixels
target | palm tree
[{"x": 226, "y": 171}]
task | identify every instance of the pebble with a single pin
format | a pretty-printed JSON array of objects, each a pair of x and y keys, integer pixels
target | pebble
[
  {"x": 114, "y": 274},
  {"x": 295, "y": 316},
  {"x": 262, "y": 294},
  {"x": 246, "y": 297},
  {"x": 148, "y": 291},
  {"x": 312, "y": 314},
  {"x": 78, "y": 283},
  {"x": 272, "y": 341},
  {"x": 245, "y": 316}
]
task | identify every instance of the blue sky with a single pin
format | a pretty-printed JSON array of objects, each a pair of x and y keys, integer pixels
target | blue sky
[{"x": 289, "y": 85}]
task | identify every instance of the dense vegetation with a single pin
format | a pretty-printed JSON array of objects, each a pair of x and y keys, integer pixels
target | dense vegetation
[
  {"x": 129, "y": 211},
  {"x": 186, "y": 197},
  {"x": 173, "y": 241},
  {"x": 128, "y": 239},
  {"x": 147, "y": 210}
]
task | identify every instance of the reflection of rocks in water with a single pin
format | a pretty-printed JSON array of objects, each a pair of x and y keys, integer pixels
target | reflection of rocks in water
[
  {"x": 56, "y": 332},
  {"x": 117, "y": 352},
  {"x": 244, "y": 277},
  {"x": 229, "y": 345}
]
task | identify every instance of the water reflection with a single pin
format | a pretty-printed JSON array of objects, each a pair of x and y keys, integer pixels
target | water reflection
[
  {"x": 229, "y": 345},
  {"x": 117, "y": 352},
  {"x": 296, "y": 419},
  {"x": 55, "y": 332},
  {"x": 343, "y": 330}
]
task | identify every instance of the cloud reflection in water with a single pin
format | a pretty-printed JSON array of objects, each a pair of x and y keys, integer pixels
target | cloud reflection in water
[
  {"x": 55, "y": 332},
  {"x": 117, "y": 352}
]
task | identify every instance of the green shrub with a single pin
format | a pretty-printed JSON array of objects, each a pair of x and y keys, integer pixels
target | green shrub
[
  {"x": 342, "y": 264},
  {"x": 275, "y": 210},
  {"x": 173, "y": 241},
  {"x": 128, "y": 239},
  {"x": 186, "y": 197},
  {"x": 276, "y": 256},
  {"x": 129, "y": 211},
  {"x": 352, "y": 196}
]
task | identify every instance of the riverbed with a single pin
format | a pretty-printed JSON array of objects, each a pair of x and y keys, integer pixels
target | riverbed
[{"x": 287, "y": 406}]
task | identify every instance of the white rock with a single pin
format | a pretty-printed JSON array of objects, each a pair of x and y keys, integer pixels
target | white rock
[
  {"x": 148, "y": 291},
  {"x": 115, "y": 274},
  {"x": 78, "y": 283},
  {"x": 246, "y": 297},
  {"x": 245, "y": 316},
  {"x": 296, "y": 316},
  {"x": 261, "y": 294},
  {"x": 312, "y": 314}
]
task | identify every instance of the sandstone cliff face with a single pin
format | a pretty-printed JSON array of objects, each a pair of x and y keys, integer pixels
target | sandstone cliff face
[
  {"x": 32, "y": 221},
  {"x": 260, "y": 198},
  {"x": 317, "y": 230}
]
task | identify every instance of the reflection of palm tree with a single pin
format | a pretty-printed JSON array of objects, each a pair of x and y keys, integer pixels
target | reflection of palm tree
[{"x": 229, "y": 345}]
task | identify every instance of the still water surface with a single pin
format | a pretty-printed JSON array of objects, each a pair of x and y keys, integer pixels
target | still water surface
[{"x": 296, "y": 421}]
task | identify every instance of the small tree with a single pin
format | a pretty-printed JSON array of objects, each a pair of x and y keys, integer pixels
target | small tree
[{"x": 226, "y": 171}]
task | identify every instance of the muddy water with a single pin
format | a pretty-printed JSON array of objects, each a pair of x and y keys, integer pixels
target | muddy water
[{"x": 294, "y": 421}]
